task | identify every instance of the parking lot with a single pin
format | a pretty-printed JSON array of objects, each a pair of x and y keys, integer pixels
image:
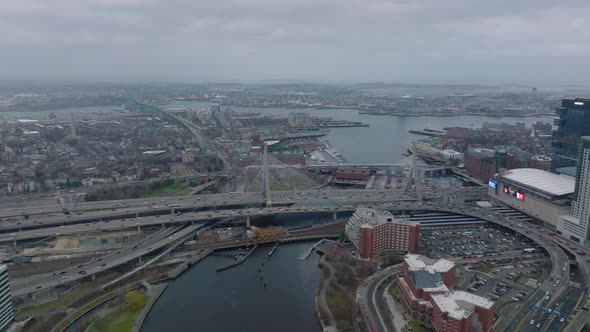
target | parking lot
[
  {"x": 472, "y": 241},
  {"x": 506, "y": 283}
]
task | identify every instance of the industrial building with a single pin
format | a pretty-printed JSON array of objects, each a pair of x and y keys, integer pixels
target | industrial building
[
  {"x": 573, "y": 123},
  {"x": 351, "y": 173},
  {"x": 424, "y": 290},
  {"x": 541, "y": 194},
  {"x": 574, "y": 226},
  {"x": 6, "y": 311},
  {"x": 299, "y": 120},
  {"x": 375, "y": 231}
]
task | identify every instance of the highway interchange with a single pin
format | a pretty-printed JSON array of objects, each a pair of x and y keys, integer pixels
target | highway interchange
[{"x": 88, "y": 217}]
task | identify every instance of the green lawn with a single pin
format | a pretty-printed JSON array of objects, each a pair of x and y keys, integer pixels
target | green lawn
[
  {"x": 173, "y": 188},
  {"x": 336, "y": 300},
  {"x": 61, "y": 302},
  {"x": 119, "y": 320},
  {"x": 393, "y": 291},
  {"x": 412, "y": 326},
  {"x": 486, "y": 269}
]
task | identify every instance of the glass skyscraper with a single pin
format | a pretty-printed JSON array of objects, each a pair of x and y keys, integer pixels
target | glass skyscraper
[
  {"x": 6, "y": 312},
  {"x": 573, "y": 123},
  {"x": 575, "y": 226}
]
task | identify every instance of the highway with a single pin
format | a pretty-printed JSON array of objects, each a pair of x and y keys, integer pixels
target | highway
[
  {"x": 155, "y": 242},
  {"x": 47, "y": 216},
  {"x": 378, "y": 198},
  {"x": 159, "y": 240},
  {"x": 19, "y": 207}
]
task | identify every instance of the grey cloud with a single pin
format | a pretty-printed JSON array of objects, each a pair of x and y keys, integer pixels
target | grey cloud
[{"x": 458, "y": 41}]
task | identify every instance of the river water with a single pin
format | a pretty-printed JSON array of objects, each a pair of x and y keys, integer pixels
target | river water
[
  {"x": 386, "y": 138},
  {"x": 235, "y": 300}
]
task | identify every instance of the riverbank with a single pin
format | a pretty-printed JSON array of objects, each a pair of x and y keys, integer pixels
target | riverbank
[
  {"x": 443, "y": 115},
  {"x": 398, "y": 114}
]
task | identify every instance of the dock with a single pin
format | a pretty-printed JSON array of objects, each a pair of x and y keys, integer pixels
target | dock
[
  {"x": 188, "y": 263},
  {"x": 272, "y": 251},
  {"x": 429, "y": 132},
  {"x": 238, "y": 261},
  {"x": 339, "y": 124},
  {"x": 310, "y": 251}
]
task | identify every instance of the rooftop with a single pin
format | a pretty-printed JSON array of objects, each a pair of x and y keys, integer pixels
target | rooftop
[
  {"x": 544, "y": 181},
  {"x": 459, "y": 304},
  {"x": 426, "y": 280},
  {"x": 372, "y": 217},
  {"x": 419, "y": 262}
]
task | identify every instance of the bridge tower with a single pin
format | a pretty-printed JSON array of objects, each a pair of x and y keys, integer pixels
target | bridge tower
[
  {"x": 266, "y": 178},
  {"x": 414, "y": 177}
]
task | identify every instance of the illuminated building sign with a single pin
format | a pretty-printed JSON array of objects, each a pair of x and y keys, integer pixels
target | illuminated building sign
[
  {"x": 513, "y": 192},
  {"x": 578, "y": 103},
  {"x": 492, "y": 184}
]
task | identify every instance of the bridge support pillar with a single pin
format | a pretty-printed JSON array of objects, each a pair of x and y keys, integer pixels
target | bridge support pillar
[
  {"x": 94, "y": 277},
  {"x": 137, "y": 215},
  {"x": 248, "y": 222},
  {"x": 334, "y": 215},
  {"x": 33, "y": 296},
  {"x": 172, "y": 211},
  {"x": 14, "y": 244},
  {"x": 140, "y": 260}
]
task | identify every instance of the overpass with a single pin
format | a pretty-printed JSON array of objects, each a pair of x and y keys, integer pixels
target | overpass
[
  {"x": 535, "y": 233},
  {"x": 168, "y": 238},
  {"x": 157, "y": 241}
]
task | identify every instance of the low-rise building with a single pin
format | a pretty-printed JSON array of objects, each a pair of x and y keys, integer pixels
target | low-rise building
[{"x": 425, "y": 291}]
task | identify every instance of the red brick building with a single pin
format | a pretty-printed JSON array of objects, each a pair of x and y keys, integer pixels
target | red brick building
[
  {"x": 480, "y": 163},
  {"x": 424, "y": 290},
  {"x": 373, "y": 231},
  {"x": 351, "y": 173}
]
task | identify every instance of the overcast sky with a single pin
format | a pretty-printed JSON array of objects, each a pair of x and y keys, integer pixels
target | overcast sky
[{"x": 535, "y": 42}]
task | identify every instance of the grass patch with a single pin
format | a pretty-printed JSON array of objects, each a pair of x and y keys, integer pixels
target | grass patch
[
  {"x": 61, "y": 303},
  {"x": 337, "y": 302},
  {"x": 485, "y": 269},
  {"x": 459, "y": 280},
  {"x": 393, "y": 291},
  {"x": 173, "y": 188},
  {"x": 122, "y": 318},
  {"x": 412, "y": 326}
]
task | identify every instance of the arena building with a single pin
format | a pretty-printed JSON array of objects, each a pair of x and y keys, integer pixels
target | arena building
[{"x": 541, "y": 194}]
